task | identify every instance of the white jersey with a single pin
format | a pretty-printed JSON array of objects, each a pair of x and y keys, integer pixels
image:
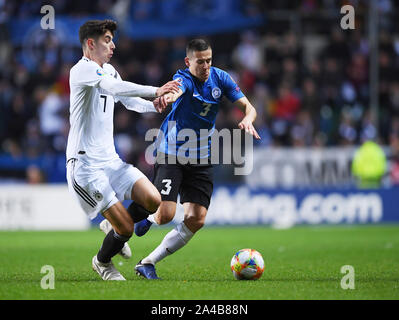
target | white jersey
[{"x": 92, "y": 110}]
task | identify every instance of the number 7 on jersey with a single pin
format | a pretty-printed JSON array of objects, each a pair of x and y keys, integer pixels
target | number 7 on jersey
[{"x": 105, "y": 100}]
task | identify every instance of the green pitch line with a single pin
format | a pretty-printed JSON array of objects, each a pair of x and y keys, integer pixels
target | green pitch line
[{"x": 301, "y": 263}]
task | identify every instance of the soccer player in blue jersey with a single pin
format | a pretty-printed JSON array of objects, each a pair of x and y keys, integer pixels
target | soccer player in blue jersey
[{"x": 195, "y": 106}]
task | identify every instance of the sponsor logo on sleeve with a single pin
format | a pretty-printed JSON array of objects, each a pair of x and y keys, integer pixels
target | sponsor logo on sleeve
[{"x": 179, "y": 80}]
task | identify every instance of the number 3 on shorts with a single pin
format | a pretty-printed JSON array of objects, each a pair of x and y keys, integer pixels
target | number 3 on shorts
[{"x": 167, "y": 186}]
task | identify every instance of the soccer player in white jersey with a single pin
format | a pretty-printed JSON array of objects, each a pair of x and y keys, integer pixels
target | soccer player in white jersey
[{"x": 96, "y": 176}]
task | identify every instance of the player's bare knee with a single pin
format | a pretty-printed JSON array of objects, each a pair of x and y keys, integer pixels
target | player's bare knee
[
  {"x": 153, "y": 201},
  {"x": 199, "y": 223},
  {"x": 165, "y": 215},
  {"x": 125, "y": 230},
  {"x": 194, "y": 223},
  {"x": 164, "y": 219}
]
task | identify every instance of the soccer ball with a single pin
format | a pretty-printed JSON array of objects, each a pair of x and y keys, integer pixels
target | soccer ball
[{"x": 247, "y": 264}]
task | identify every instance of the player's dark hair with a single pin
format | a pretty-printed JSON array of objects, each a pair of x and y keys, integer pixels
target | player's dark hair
[
  {"x": 95, "y": 29},
  {"x": 197, "y": 45}
]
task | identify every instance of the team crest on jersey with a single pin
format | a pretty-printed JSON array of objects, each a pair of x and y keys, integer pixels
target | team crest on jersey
[
  {"x": 216, "y": 93},
  {"x": 97, "y": 195},
  {"x": 100, "y": 72}
]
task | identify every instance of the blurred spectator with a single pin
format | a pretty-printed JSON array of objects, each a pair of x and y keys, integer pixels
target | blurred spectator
[
  {"x": 368, "y": 131},
  {"x": 311, "y": 101},
  {"x": 394, "y": 158},
  {"x": 290, "y": 72},
  {"x": 369, "y": 165},
  {"x": 33, "y": 143},
  {"x": 34, "y": 175},
  {"x": 285, "y": 108},
  {"x": 338, "y": 47},
  {"x": 287, "y": 103},
  {"x": 17, "y": 117},
  {"x": 51, "y": 118},
  {"x": 247, "y": 54},
  {"x": 347, "y": 132},
  {"x": 302, "y": 130},
  {"x": 332, "y": 72},
  {"x": 358, "y": 72}
]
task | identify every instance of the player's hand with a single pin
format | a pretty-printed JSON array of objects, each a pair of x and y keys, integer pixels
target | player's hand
[
  {"x": 171, "y": 86},
  {"x": 171, "y": 97},
  {"x": 248, "y": 127},
  {"x": 160, "y": 104}
]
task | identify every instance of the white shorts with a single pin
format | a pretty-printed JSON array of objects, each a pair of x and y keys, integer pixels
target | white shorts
[{"x": 98, "y": 188}]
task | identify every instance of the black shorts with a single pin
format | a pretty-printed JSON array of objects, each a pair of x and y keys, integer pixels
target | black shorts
[{"x": 194, "y": 183}]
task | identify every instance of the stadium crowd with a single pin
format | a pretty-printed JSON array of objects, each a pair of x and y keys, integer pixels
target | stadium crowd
[{"x": 309, "y": 89}]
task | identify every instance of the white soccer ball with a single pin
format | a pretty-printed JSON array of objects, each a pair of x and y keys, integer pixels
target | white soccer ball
[{"x": 247, "y": 264}]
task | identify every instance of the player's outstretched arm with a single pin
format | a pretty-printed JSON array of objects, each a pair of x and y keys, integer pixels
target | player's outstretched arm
[
  {"x": 118, "y": 87},
  {"x": 250, "y": 116},
  {"x": 141, "y": 105}
]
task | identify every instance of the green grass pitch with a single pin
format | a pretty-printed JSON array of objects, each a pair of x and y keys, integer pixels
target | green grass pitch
[{"x": 301, "y": 263}]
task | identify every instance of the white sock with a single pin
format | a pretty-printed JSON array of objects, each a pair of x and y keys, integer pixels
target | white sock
[
  {"x": 151, "y": 218},
  {"x": 173, "y": 241}
]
